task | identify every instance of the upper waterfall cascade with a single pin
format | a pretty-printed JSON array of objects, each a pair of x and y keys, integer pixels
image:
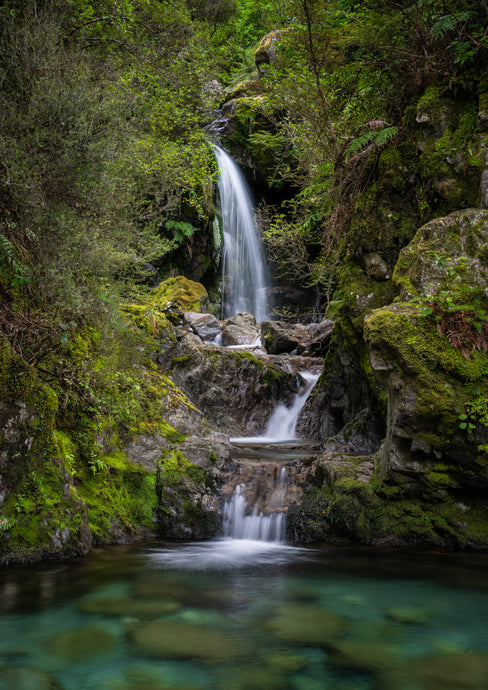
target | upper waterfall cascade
[{"x": 243, "y": 265}]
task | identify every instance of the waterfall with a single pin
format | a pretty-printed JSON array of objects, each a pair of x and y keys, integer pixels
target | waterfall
[
  {"x": 243, "y": 267},
  {"x": 240, "y": 522},
  {"x": 281, "y": 426}
]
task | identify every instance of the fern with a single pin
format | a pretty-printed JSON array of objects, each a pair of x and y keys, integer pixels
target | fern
[
  {"x": 448, "y": 22},
  {"x": 378, "y": 138},
  {"x": 182, "y": 231},
  {"x": 11, "y": 270}
]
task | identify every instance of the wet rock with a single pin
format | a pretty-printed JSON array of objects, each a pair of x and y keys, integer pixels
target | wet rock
[
  {"x": 279, "y": 337},
  {"x": 157, "y": 586},
  {"x": 81, "y": 643},
  {"x": 119, "y": 607},
  {"x": 307, "y": 625},
  {"x": 146, "y": 679},
  {"x": 243, "y": 319},
  {"x": 285, "y": 663},
  {"x": 244, "y": 678},
  {"x": 206, "y": 326},
  {"x": 177, "y": 640},
  {"x": 238, "y": 335},
  {"x": 442, "y": 672},
  {"x": 234, "y": 390}
]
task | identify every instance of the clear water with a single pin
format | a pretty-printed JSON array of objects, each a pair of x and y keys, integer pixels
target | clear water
[{"x": 238, "y": 614}]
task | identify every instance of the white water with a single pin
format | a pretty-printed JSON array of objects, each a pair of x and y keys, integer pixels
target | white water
[
  {"x": 243, "y": 267},
  {"x": 282, "y": 424},
  {"x": 254, "y": 526}
]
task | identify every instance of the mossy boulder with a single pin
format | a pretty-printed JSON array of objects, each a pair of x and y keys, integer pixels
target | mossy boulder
[
  {"x": 265, "y": 53},
  {"x": 176, "y": 296}
]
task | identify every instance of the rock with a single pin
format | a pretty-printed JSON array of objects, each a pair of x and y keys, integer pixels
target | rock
[
  {"x": 364, "y": 655},
  {"x": 26, "y": 679},
  {"x": 442, "y": 672},
  {"x": 206, "y": 326},
  {"x": 306, "y": 625},
  {"x": 234, "y": 390},
  {"x": 243, "y": 319},
  {"x": 442, "y": 252},
  {"x": 279, "y": 337},
  {"x": 176, "y": 296},
  {"x": 166, "y": 639},
  {"x": 81, "y": 643},
  {"x": 266, "y": 50},
  {"x": 188, "y": 508},
  {"x": 412, "y": 615},
  {"x": 238, "y": 335},
  {"x": 247, "y": 677},
  {"x": 146, "y": 450},
  {"x": 140, "y": 678},
  {"x": 375, "y": 267},
  {"x": 319, "y": 338}
]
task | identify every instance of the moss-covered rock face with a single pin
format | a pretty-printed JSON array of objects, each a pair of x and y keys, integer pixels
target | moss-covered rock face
[
  {"x": 429, "y": 354},
  {"x": 188, "y": 508},
  {"x": 41, "y": 512}
]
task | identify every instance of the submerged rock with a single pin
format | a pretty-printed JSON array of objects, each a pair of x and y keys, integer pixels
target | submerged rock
[
  {"x": 81, "y": 643},
  {"x": 307, "y": 625},
  {"x": 167, "y": 639},
  {"x": 26, "y": 679},
  {"x": 443, "y": 672}
]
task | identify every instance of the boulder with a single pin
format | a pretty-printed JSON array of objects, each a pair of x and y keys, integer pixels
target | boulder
[
  {"x": 176, "y": 296},
  {"x": 279, "y": 337},
  {"x": 266, "y": 51},
  {"x": 206, "y": 326}
]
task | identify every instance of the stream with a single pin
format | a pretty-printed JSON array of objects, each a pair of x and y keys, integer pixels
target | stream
[
  {"x": 233, "y": 614},
  {"x": 247, "y": 610}
]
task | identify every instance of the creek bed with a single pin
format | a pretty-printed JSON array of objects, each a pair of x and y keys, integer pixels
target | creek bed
[{"x": 235, "y": 614}]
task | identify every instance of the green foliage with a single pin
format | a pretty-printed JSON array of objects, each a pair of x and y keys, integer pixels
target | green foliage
[{"x": 12, "y": 271}]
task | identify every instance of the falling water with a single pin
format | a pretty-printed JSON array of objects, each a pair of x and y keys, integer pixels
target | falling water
[
  {"x": 281, "y": 426},
  {"x": 242, "y": 523},
  {"x": 243, "y": 264}
]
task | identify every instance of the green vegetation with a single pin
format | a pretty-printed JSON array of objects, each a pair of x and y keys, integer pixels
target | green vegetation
[{"x": 362, "y": 121}]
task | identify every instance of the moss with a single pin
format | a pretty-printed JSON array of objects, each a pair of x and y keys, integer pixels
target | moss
[
  {"x": 355, "y": 512},
  {"x": 178, "y": 295}
]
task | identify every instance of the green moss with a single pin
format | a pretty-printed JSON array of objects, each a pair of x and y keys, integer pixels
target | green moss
[{"x": 178, "y": 295}]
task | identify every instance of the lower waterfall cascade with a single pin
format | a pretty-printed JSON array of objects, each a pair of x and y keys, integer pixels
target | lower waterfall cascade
[{"x": 245, "y": 521}]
